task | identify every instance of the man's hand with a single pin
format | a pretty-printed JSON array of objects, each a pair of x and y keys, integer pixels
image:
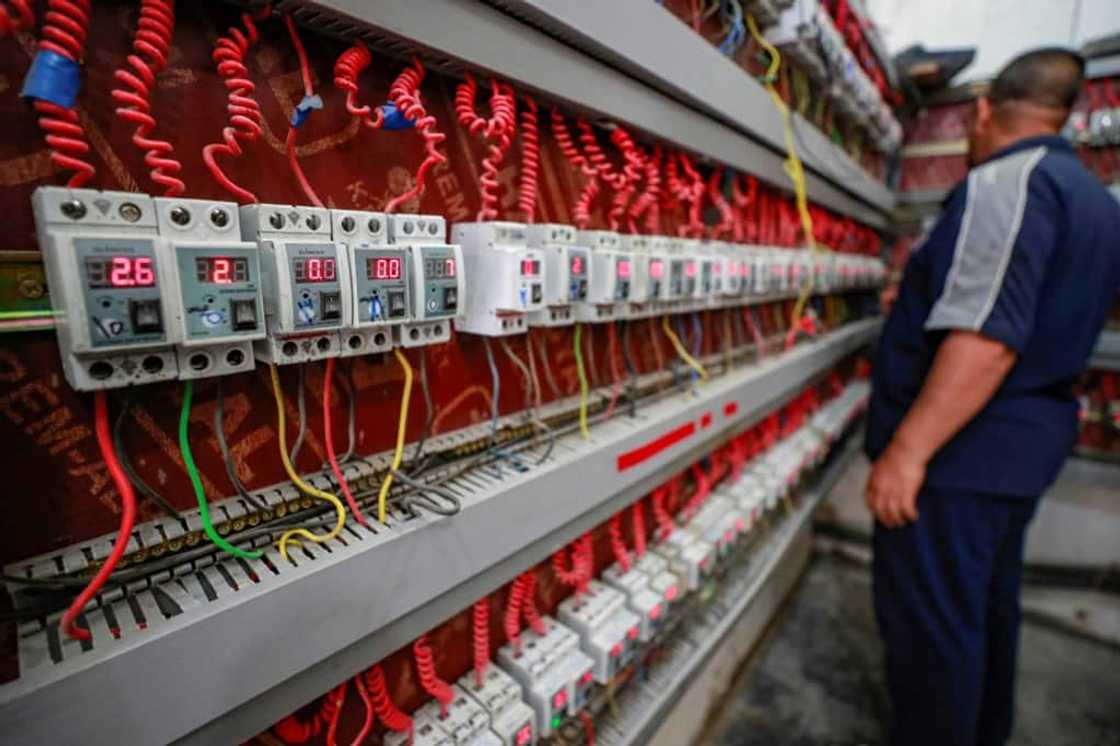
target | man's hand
[{"x": 892, "y": 488}]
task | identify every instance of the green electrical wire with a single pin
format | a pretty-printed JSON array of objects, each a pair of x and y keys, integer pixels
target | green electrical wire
[
  {"x": 196, "y": 480},
  {"x": 582, "y": 384}
]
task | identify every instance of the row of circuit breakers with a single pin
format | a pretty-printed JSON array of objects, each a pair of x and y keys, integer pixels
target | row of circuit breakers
[{"x": 147, "y": 289}]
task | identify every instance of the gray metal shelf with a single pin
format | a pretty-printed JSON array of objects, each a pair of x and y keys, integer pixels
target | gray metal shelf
[
  {"x": 298, "y": 631},
  {"x": 735, "y": 124},
  {"x": 1107, "y": 354}
]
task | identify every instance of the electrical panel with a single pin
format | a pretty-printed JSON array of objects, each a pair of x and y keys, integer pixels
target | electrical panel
[
  {"x": 437, "y": 287},
  {"x": 567, "y": 267},
  {"x": 611, "y": 274},
  {"x": 216, "y": 280},
  {"x": 116, "y": 319},
  {"x": 505, "y": 278},
  {"x": 306, "y": 282},
  {"x": 379, "y": 280}
]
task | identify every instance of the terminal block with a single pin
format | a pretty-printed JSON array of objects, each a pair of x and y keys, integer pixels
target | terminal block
[
  {"x": 116, "y": 320},
  {"x": 437, "y": 289},
  {"x": 567, "y": 270},
  {"x": 608, "y": 630},
  {"x": 691, "y": 558},
  {"x": 551, "y": 671},
  {"x": 511, "y": 720},
  {"x": 379, "y": 287},
  {"x": 505, "y": 278},
  {"x": 306, "y": 282},
  {"x": 466, "y": 720},
  {"x": 426, "y": 731}
]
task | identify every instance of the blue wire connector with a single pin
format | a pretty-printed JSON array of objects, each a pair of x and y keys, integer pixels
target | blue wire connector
[
  {"x": 304, "y": 108},
  {"x": 394, "y": 118},
  {"x": 53, "y": 78}
]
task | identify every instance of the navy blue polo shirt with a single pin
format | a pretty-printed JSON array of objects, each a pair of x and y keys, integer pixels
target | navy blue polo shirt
[{"x": 1026, "y": 252}]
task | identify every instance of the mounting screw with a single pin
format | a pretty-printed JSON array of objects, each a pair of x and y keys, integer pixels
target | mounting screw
[
  {"x": 130, "y": 212},
  {"x": 31, "y": 289},
  {"x": 374, "y": 225},
  {"x": 313, "y": 222},
  {"x": 179, "y": 215},
  {"x": 74, "y": 209},
  {"x": 276, "y": 220},
  {"x": 348, "y": 224},
  {"x": 219, "y": 217}
]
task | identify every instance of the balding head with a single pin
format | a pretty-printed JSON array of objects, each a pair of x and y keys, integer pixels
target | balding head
[{"x": 1031, "y": 96}]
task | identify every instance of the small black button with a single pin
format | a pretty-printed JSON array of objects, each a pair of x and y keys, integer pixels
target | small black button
[
  {"x": 396, "y": 304},
  {"x": 450, "y": 298},
  {"x": 330, "y": 305},
  {"x": 537, "y": 293},
  {"x": 583, "y": 289},
  {"x": 146, "y": 317},
  {"x": 244, "y": 314}
]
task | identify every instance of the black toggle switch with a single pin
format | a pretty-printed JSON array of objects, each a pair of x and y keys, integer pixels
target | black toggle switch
[
  {"x": 244, "y": 314},
  {"x": 330, "y": 306},
  {"x": 450, "y": 298},
  {"x": 146, "y": 316},
  {"x": 396, "y": 304}
]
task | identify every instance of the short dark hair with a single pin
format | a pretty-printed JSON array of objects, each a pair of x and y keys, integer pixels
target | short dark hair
[{"x": 1049, "y": 77}]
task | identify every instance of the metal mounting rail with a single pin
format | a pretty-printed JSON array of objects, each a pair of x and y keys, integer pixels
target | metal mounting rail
[
  {"x": 266, "y": 638},
  {"x": 483, "y": 37}
]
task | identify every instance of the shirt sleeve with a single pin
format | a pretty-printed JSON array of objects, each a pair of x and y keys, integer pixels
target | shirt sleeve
[{"x": 1007, "y": 235}]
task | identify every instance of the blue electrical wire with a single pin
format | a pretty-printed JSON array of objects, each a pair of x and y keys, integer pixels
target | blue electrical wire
[
  {"x": 732, "y": 12},
  {"x": 697, "y": 341}
]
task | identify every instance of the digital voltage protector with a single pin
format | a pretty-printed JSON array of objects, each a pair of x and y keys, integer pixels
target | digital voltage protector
[
  {"x": 116, "y": 322},
  {"x": 306, "y": 282},
  {"x": 639, "y": 249},
  {"x": 567, "y": 271},
  {"x": 436, "y": 285},
  {"x": 731, "y": 261},
  {"x": 379, "y": 275},
  {"x": 658, "y": 271},
  {"x": 608, "y": 289},
  {"x": 668, "y": 290},
  {"x": 505, "y": 278},
  {"x": 216, "y": 278},
  {"x": 690, "y": 278}
]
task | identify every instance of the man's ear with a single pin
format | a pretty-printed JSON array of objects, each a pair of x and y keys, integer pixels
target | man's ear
[{"x": 983, "y": 113}]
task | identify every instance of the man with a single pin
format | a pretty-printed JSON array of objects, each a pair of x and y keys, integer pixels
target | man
[{"x": 972, "y": 410}]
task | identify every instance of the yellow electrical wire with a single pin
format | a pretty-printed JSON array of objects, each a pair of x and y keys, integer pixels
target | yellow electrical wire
[
  {"x": 302, "y": 485},
  {"x": 577, "y": 349},
  {"x": 681, "y": 351},
  {"x": 792, "y": 163},
  {"x": 402, "y": 425}
]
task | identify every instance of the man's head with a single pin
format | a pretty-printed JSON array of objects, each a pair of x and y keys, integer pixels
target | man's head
[{"x": 1031, "y": 96}]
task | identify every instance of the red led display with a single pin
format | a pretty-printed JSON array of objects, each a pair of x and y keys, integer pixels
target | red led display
[
  {"x": 623, "y": 269},
  {"x": 439, "y": 268},
  {"x": 530, "y": 267},
  {"x": 577, "y": 265},
  {"x": 656, "y": 269},
  {"x": 315, "y": 269},
  {"x": 690, "y": 269},
  {"x": 383, "y": 268},
  {"x": 525, "y": 735},
  {"x": 221, "y": 270},
  {"x": 121, "y": 272}
]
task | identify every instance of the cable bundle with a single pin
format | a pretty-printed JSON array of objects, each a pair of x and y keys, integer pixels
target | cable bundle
[
  {"x": 618, "y": 546},
  {"x": 498, "y": 130},
  {"x": 648, "y": 202},
  {"x": 530, "y": 161},
  {"x": 429, "y": 679},
  {"x": 726, "y": 224},
  {"x": 149, "y": 57},
  {"x": 744, "y": 230},
  {"x": 581, "y": 210},
  {"x": 347, "y": 70},
  {"x": 695, "y": 200},
  {"x": 244, "y": 111},
  {"x": 389, "y": 714},
  {"x": 660, "y": 514},
  {"x": 633, "y": 167},
  {"x": 638, "y": 525},
  {"x": 529, "y": 603},
  {"x": 23, "y": 19},
  {"x": 294, "y": 730},
  {"x": 405, "y": 93},
  {"x": 480, "y": 632}
]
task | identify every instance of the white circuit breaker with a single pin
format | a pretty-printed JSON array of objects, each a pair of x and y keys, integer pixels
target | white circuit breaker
[
  {"x": 437, "y": 288},
  {"x": 608, "y": 630},
  {"x": 611, "y": 274},
  {"x": 379, "y": 287},
  {"x": 511, "y": 720},
  {"x": 731, "y": 259},
  {"x": 216, "y": 278},
  {"x": 306, "y": 282},
  {"x": 552, "y": 671},
  {"x": 117, "y": 321},
  {"x": 567, "y": 268},
  {"x": 640, "y": 249},
  {"x": 505, "y": 278}
]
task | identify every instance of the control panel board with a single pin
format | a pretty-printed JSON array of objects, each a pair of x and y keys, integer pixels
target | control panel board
[
  {"x": 436, "y": 283},
  {"x": 379, "y": 280}
]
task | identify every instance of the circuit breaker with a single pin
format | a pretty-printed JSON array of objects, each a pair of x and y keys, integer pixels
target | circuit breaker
[
  {"x": 437, "y": 288},
  {"x": 689, "y": 250},
  {"x": 640, "y": 249},
  {"x": 306, "y": 282},
  {"x": 731, "y": 270},
  {"x": 117, "y": 321},
  {"x": 511, "y": 720},
  {"x": 611, "y": 277},
  {"x": 505, "y": 278},
  {"x": 216, "y": 278},
  {"x": 567, "y": 269},
  {"x": 608, "y": 630},
  {"x": 379, "y": 287}
]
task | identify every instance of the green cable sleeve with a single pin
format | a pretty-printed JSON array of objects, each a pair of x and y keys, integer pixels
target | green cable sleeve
[{"x": 196, "y": 480}]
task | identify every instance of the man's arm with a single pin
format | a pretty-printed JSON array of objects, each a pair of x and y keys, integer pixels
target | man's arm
[{"x": 967, "y": 371}]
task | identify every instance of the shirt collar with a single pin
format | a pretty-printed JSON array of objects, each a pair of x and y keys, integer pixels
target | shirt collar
[{"x": 1050, "y": 142}]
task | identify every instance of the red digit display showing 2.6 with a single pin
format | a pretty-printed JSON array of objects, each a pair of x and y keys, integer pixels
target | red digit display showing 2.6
[
  {"x": 120, "y": 272},
  {"x": 383, "y": 268},
  {"x": 314, "y": 269}
]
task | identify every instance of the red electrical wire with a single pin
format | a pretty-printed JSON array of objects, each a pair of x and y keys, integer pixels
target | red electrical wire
[
  {"x": 726, "y": 224},
  {"x": 429, "y": 679},
  {"x": 405, "y": 93},
  {"x": 347, "y": 69},
  {"x": 511, "y": 622},
  {"x": 530, "y": 161},
  {"x": 696, "y": 196},
  {"x": 367, "y": 702},
  {"x": 332, "y": 710},
  {"x": 618, "y": 546},
  {"x": 581, "y": 210},
  {"x": 647, "y": 203},
  {"x": 606, "y": 171},
  {"x": 638, "y": 525},
  {"x": 616, "y": 372},
  {"x": 588, "y": 727},
  {"x": 23, "y": 19},
  {"x": 567, "y": 577},
  {"x": 124, "y": 532},
  {"x": 65, "y": 26},
  {"x": 308, "y": 91},
  {"x": 744, "y": 230},
  {"x": 633, "y": 167},
  {"x": 480, "y": 623},
  {"x": 529, "y": 604},
  {"x": 243, "y": 109},
  {"x": 586, "y": 561},
  {"x": 703, "y": 488},
  {"x": 660, "y": 514},
  {"x": 390, "y": 715},
  {"x": 344, "y": 485},
  {"x": 497, "y": 130},
  {"x": 149, "y": 57}
]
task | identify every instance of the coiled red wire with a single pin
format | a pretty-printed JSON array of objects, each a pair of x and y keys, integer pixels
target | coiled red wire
[
  {"x": 695, "y": 190},
  {"x": 241, "y": 106},
  {"x": 429, "y": 679},
  {"x": 660, "y": 514},
  {"x": 618, "y": 546},
  {"x": 633, "y": 168},
  {"x": 497, "y": 131},
  {"x": 530, "y": 161},
  {"x": 405, "y": 93},
  {"x": 371, "y": 714},
  {"x": 511, "y": 622},
  {"x": 480, "y": 634},
  {"x": 65, "y": 26},
  {"x": 744, "y": 229},
  {"x": 529, "y": 603},
  {"x": 585, "y": 559},
  {"x": 638, "y": 525},
  {"x": 567, "y": 577},
  {"x": 23, "y": 19},
  {"x": 581, "y": 210},
  {"x": 293, "y": 729},
  {"x": 347, "y": 70},
  {"x": 149, "y": 57},
  {"x": 391, "y": 716},
  {"x": 726, "y": 224},
  {"x": 703, "y": 487},
  {"x": 647, "y": 203}
]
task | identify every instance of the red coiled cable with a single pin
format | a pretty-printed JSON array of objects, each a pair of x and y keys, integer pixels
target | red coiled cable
[
  {"x": 390, "y": 715},
  {"x": 405, "y": 93},
  {"x": 660, "y": 514},
  {"x": 149, "y": 57},
  {"x": 703, "y": 488},
  {"x": 588, "y": 727},
  {"x": 638, "y": 525},
  {"x": 567, "y": 577},
  {"x": 65, "y": 26},
  {"x": 633, "y": 167},
  {"x": 696, "y": 192},
  {"x": 343, "y": 484},
  {"x": 581, "y": 210},
  {"x": 511, "y": 622},
  {"x": 585, "y": 558},
  {"x": 497, "y": 130},
  {"x": 347, "y": 69},
  {"x": 367, "y": 702},
  {"x": 243, "y": 109},
  {"x": 530, "y": 161},
  {"x": 294, "y": 730},
  {"x": 529, "y": 603},
  {"x": 124, "y": 532},
  {"x": 743, "y": 230},
  {"x": 595, "y": 155},
  {"x": 618, "y": 546},
  {"x": 480, "y": 633},
  {"x": 726, "y": 224},
  {"x": 308, "y": 91},
  {"x": 23, "y": 18},
  {"x": 647, "y": 203},
  {"x": 429, "y": 679}
]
